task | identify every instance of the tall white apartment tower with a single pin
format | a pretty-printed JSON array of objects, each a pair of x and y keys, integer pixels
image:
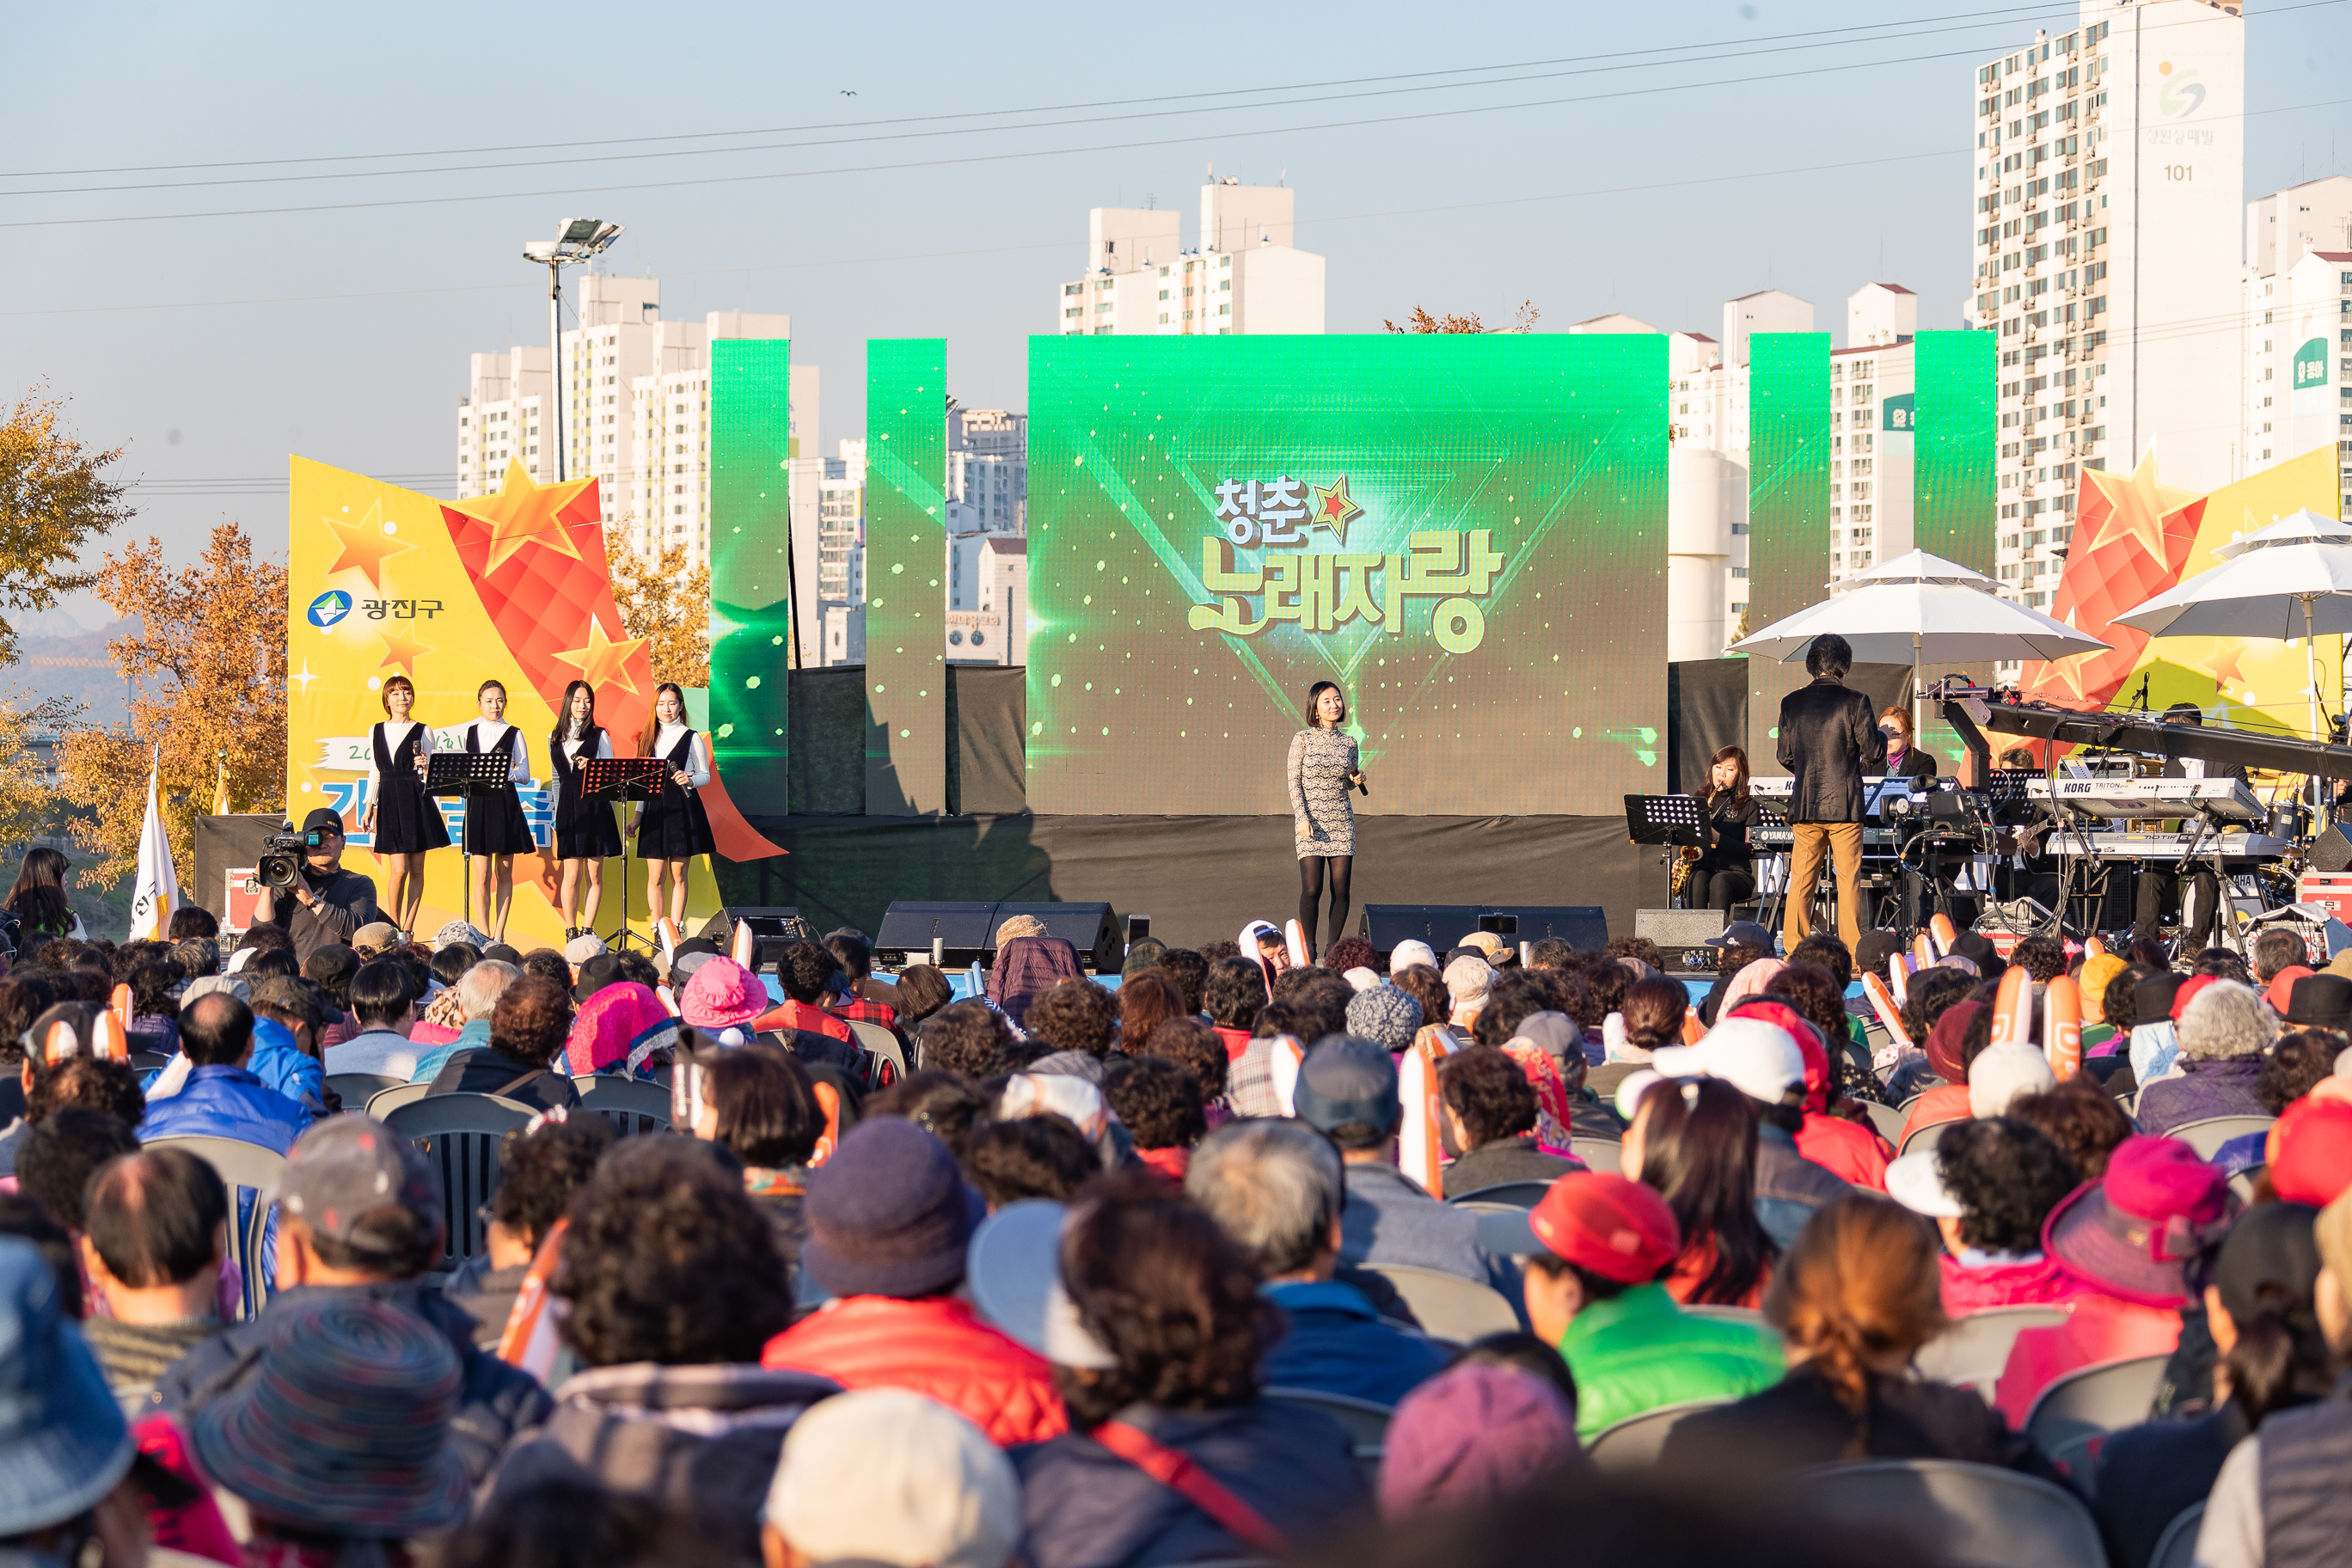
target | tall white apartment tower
[
  {"x": 2298, "y": 328},
  {"x": 2109, "y": 190},
  {"x": 1243, "y": 273}
]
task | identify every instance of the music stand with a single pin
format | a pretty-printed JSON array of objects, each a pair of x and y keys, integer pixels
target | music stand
[
  {"x": 1666, "y": 819},
  {"x": 617, "y": 779},
  {"x": 467, "y": 774}
]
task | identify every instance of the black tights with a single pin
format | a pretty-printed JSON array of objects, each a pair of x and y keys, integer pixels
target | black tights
[{"x": 1310, "y": 892}]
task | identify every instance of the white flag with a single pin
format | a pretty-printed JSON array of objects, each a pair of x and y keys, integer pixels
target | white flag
[{"x": 157, "y": 893}]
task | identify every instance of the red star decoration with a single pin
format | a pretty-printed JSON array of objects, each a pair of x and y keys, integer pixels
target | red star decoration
[
  {"x": 2139, "y": 511},
  {"x": 524, "y": 514},
  {"x": 2131, "y": 541},
  {"x": 1335, "y": 509},
  {"x": 400, "y": 651}
]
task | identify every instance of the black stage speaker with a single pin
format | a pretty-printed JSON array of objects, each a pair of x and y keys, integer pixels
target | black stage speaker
[
  {"x": 1682, "y": 936},
  {"x": 2332, "y": 850},
  {"x": 773, "y": 924},
  {"x": 1444, "y": 926},
  {"x": 967, "y": 931}
]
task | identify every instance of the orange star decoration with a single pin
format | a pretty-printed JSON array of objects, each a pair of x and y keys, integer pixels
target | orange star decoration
[
  {"x": 2070, "y": 675},
  {"x": 603, "y": 662},
  {"x": 2221, "y": 664},
  {"x": 523, "y": 513},
  {"x": 2140, "y": 510},
  {"x": 1335, "y": 509},
  {"x": 364, "y": 544},
  {"x": 400, "y": 651}
]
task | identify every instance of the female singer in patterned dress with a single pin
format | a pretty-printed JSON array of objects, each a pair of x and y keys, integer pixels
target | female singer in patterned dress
[
  {"x": 1323, "y": 768},
  {"x": 672, "y": 827},
  {"x": 405, "y": 820},
  {"x": 584, "y": 834},
  {"x": 496, "y": 829}
]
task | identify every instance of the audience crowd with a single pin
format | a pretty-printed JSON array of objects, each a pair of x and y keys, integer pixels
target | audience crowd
[{"x": 1399, "y": 1256}]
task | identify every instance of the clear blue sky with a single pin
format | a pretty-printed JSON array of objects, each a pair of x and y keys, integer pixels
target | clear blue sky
[{"x": 1606, "y": 195}]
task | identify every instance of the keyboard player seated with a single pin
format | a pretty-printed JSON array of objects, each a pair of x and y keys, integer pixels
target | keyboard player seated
[
  {"x": 2022, "y": 833},
  {"x": 2194, "y": 900}
]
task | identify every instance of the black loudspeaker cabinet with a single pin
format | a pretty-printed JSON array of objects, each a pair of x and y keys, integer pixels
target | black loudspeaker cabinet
[
  {"x": 2332, "y": 850},
  {"x": 967, "y": 931},
  {"x": 774, "y": 924},
  {"x": 1443, "y": 926},
  {"x": 1682, "y": 936}
]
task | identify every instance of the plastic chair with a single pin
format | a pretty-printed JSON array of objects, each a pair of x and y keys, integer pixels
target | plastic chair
[
  {"x": 385, "y": 1100},
  {"x": 459, "y": 1134},
  {"x": 1884, "y": 1120},
  {"x": 2092, "y": 1400},
  {"x": 1971, "y": 1353},
  {"x": 1602, "y": 1153},
  {"x": 878, "y": 1040},
  {"x": 1926, "y": 1137},
  {"x": 1366, "y": 1423},
  {"x": 357, "y": 1089},
  {"x": 149, "y": 1061},
  {"x": 1633, "y": 1442},
  {"x": 240, "y": 1165},
  {"x": 1516, "y": 1194},
  {"x": 1721, "y": 1314},
  {"x": 1969, "y": 1514},
  {"x": 2177, "y": 1547},
  {"x": 2208, "y": 1136},
  {"x": 1447, "y": 1305},
  {"x": 630, "y": 1104}
]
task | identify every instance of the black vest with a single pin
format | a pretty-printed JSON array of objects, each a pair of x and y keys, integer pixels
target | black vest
[{"x": 2306, "y": 1456}]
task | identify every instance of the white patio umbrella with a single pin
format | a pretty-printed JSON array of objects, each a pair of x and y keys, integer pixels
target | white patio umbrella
[
  {"x": 1922, "y": 608},
  {"x": 2292, "y": 579}
]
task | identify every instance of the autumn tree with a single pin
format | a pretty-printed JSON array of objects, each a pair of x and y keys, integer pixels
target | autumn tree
[
  {"x": 206, "y": 668},
  {"x": 1420, "y": 320},
  {"x": 55, "y": 500},
  {"x": 666, "y": 601}
]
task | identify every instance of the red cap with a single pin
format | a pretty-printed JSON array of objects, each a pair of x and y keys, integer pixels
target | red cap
[
  {"x": 1607, "y": 1224},
  {"x": 2282, "y": 987},
  {"x": 2311, "y": 1152},
  {"x": 2188, "y": 994}
]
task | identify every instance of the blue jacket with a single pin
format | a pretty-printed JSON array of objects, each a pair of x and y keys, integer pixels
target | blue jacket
[
  {"x": 1088, "y": 1507},
  {"x": 1390, "y": 1220},
  {"x": 283, "y": 1066},
  {"x": 476, "y": 1033},
  {"x": 1336, "y": 1343},
  {"x": 227, "y": 1102}
]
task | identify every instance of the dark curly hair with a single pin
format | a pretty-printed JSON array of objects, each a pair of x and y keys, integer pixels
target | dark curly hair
[
  {"x": 1234, "y": 991},
  {"x": 1513, "y": 998},
  {"x": 59, "y": 1157},
  {"x": 548, "y": 964},
  {"x": 1641, "y": 947},
  {"x": 1927, "y": 996},
  {"x": 151, "y": 977},
  {"x": 1146, "y": 999},
  {"x": 768, "y": 1113},
  {"x": 965, "y": 1038},
  {"x": 2007, "y": 1175},
  {"x": 667, "y": 1260},
  {"x": 2119, "y": 1002},
  {"x": 1352, "y": 952},
  {"x": 532, "y": 1020},
  {"x": 1818, "y": 999},
  {"x": 1487, "y": 1090},
  {"x": 1029, "y": 1157},
  {"x": 2082, "y": 1118},
  {"x": 2044, "y": 956},
  {"x": 1596, "y": 991},
  {"x": 1160, "y": 1284},
  {"x": 541, "y": 1168},
  {"x": 91, "y": 1083},
  {"x": 940, "y": 1104},
  {"x": 1551, "y": 952},
  {"x": 1159, "y": 1101},
  {"x": 1654, "y": 1010},
  {"x": 805, "y": 971},
  {"x": 1824, "y": 950},
  {"x": 1193, "y": 1043},
  {"x": 2295, "y": 1066},
  {"x": 1426, "y": 986},
  {"x": 1320, "y": 994},
  {"x": 1191, "y": 971},
  {"x": 1076, "y": 1014}
]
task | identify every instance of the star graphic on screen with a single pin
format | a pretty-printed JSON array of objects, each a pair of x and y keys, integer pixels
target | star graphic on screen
[
  {"x": 603, "y": 662},
  {"x": 1335, "y": 509},
  {"x": 400, "y": 651},
  {"x": 2221, "y": 664},
  {"x": 2138, "y": 508},
  {"x": 364, "y": 544},
  {"x": 523, "y": 513}
]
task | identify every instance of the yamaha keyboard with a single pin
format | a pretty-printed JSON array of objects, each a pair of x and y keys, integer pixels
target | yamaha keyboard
[
  {"x": 2228, "y": 799},
  {"x": 1773, "y": 837}
]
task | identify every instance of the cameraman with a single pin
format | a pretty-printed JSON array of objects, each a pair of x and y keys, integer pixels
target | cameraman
[{"x": 326, "y": 905}]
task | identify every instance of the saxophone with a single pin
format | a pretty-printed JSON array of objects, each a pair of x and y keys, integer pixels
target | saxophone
[{"x": 1687, "y": 858}]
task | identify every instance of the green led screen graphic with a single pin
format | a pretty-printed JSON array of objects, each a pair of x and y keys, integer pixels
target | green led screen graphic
[
  {"x": 906, "y": 571},
  {"x": 1952, "y": 485},
  {"x": 1788, "y": 510},
  {"x": 750, "y": 568},
  {"x": 1467, "y": 534}
]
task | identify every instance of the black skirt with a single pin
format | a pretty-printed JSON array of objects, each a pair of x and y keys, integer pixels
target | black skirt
[
  {"x": 585, "y": 829},
  {"x": 675, "y": 826},
  {"x": 407, "y": 820},
  {"x": 494, "y": 824}
]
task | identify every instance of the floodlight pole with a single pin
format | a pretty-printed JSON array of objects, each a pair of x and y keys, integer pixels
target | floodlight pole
[{"x": 555, "y": 354}]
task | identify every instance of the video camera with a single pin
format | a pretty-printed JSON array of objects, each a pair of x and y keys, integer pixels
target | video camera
[{"x": 282, "y": 855}]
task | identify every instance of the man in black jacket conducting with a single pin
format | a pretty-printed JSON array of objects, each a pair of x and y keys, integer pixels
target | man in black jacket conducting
[{"x": 1829, "y": 738}]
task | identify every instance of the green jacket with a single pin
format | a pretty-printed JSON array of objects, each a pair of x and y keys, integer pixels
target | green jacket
[{"x": 1642, "y": 1350}]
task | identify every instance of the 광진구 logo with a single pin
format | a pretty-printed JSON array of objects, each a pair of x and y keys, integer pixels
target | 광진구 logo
[{"x": 329, "y": 608}]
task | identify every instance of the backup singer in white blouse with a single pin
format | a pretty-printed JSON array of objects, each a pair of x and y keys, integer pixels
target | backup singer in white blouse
[
  {"x": 673, "y": 827},
  {"x": 584, "y": 834},
  {"x": 496, "y": 829},
  {"x": 405, "y": 821}
]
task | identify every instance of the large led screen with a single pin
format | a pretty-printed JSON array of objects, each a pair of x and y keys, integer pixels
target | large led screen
[{"x": 1466, "y": 533}]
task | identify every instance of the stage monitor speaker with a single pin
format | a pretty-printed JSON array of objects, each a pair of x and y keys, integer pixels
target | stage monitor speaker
[
  {"x": 1443, "y": 926},
  {"x": 773, "y": 924},
  {"x": 967, "y": 931},
  {"x": 1682, "y": 936},
  {"x": 2332, "y": 850}
]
